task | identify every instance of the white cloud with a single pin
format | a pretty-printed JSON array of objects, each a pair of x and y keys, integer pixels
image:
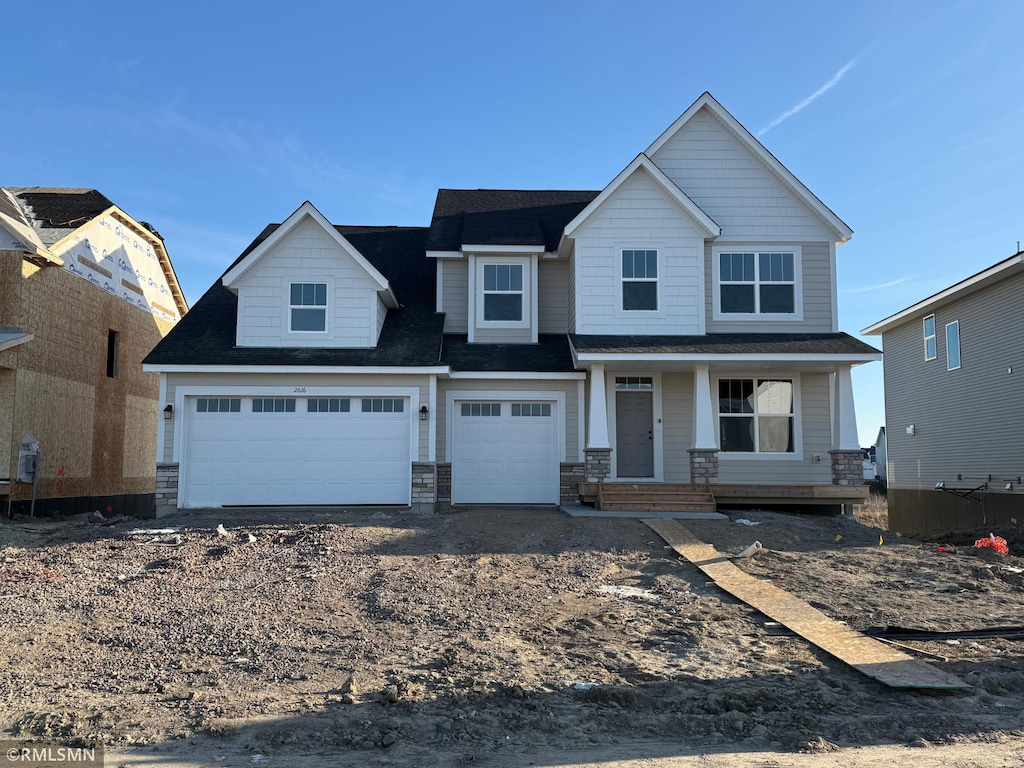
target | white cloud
[
  {"x": 881, "y": 286},
  {"x": 814, "y": 96}
]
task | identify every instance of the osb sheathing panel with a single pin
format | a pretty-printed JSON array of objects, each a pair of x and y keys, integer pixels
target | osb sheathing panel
[
  {"x": 6, "y": 421},
  {"x": 10, "y": 287},
  {"x": 96, "y": 434}
]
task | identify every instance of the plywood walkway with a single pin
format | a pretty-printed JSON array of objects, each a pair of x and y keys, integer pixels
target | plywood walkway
[{"x": 875, "y": 659}]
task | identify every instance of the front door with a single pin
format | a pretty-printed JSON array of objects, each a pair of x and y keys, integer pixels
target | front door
[{"x": 634, "y": 434}]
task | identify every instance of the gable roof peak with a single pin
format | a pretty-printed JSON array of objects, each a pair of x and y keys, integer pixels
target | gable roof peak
[{"x": 720, "y": 113}]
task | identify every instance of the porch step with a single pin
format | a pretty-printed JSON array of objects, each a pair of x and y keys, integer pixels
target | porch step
[{"x": 655, "y": 497}]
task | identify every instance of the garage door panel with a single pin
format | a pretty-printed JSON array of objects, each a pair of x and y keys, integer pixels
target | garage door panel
[
  {"x": 298, "y": 457},
  {"x": 504, "y": 458}
]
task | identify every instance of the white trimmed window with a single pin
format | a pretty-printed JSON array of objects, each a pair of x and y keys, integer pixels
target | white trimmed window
[
  {"x": 639, "y": 280},
  {"x": 503, "y": 293},
  {"x": 328, "y": 405},
  {"x": 953, "y": 345},
  {"x": 756, "y": 416},
  {"x": 929, "y": 338},
  {"x": 480, "y": 409},
  {"x": 307, "y": 307},
  {"x": 758, "y": 282},
  {"x": 218, "y": 405},
  {"x": 383, "y": 405},
  {"x": 273, "y": 405}
]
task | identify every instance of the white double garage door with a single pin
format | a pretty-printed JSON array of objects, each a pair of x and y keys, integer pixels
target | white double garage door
[{"x": 289, "y": 451}]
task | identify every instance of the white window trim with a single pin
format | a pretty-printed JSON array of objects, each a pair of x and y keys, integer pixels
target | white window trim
[
  {"x": 526, "y": 263},
  {"x": 456, "y": 396},
  {"x": 933, "y": 337},
  {"x": 656, "y": 416},
  {"x": 182, "y": 392},
  {"x": 287, "y": 294},
  {"x": 959, "y": 357},
  {"x": 657, "y": 282},
  {"x": 798, "y": 291},
  {"x": 798, "y": 442}
]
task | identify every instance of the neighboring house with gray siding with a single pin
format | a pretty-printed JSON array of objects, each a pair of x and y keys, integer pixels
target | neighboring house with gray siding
[
  {"x": 953, "y": 407},
  {"x": 679, "y": 325}
]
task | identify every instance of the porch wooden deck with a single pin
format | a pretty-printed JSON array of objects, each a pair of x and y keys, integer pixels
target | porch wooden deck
[{"x": 693, "y": 497}]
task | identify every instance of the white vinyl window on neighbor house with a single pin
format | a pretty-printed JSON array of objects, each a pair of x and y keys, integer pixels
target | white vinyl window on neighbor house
[
  {"x": 639, "y": 280},
  {"x": 307, "y": 307},
  {"x": 929, "y": 338},
  {"x": 758, "y": 282},
  {"x": 756, "y": 416},
  {"x": 503, "y": 293},
  {"x": 953, "y": 345}
]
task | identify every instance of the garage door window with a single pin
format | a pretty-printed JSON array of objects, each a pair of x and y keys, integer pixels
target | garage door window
[
  {"x": 383, "y": 405},
  {"x": 273, "y": 405},
  {"x": 328, "y": 405},
  {"x": 218, "y": 405},
  {"x": 531, "y": 409},
  {"x": 481, "y": 409}
]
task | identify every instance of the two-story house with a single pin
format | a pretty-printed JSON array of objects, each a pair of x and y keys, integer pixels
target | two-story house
[
  {"x": 678, "y": 326},
  {"x": 954, "y": 447},
  {"x": 86, "y": 291}
]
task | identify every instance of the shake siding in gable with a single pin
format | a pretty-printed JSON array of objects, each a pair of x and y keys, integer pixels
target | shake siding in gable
[
  {"x": 816, "y": 429},
  {"x": 733, "y": 186},
  {"x": 455, "y": 295},
  {"x": 816, "y": 272},
  {"x": 553, "y": 286},
  {"x": 966, "y": 421},
  {"x": 307, "y": 254},
  {"x": 640, "y": 215}
]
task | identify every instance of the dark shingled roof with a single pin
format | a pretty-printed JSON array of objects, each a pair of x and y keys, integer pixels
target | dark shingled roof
[
  {"x": 726, "y": 344},
  {"x": 61, "y": 207},
  {"x": 550, "y": 353},
  {"x": 503, "y": 217},
  {"x": 411, "y": 335}
]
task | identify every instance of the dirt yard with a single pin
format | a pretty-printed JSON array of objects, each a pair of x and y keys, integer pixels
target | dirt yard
[{"x": 487, "y": 637}]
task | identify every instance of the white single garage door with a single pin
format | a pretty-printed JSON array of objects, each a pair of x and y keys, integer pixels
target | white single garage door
[
  {"x": 505, "y": 452},
  {"x": 294, "y": 451}
]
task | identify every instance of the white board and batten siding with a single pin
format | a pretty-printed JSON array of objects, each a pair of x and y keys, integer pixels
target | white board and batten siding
[
  {"x": 307, "y": 254},
  {"x": 640, "y": 214}
]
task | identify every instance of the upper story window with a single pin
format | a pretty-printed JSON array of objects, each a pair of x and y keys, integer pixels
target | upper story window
[
  {"x": 308, "y": 307},
  {"x": 953, "y": 345},
  {"x": 640, "y": 280},
  {"x": 758, "y": 282},
  {"x": 756, "y": 416},
  {"x": 503, "y": 293},
  {"x": 929, "y": 338}
]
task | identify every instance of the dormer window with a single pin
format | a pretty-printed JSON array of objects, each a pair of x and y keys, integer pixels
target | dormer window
[
  {"x": 308, "y": 307},
  {"x": 503, "y": 293}
]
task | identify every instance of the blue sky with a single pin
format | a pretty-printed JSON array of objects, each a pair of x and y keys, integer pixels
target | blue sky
[{"x": 211, "y": 119}]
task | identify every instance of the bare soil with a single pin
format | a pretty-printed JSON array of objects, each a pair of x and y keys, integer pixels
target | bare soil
[{"x": 488, "y": 636}]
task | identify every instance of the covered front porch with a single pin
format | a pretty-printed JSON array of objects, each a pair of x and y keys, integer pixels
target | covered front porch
[{"x": 729, "y": 429}]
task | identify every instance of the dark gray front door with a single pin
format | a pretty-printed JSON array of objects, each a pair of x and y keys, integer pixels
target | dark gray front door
[{"x": 634, "y": 434}]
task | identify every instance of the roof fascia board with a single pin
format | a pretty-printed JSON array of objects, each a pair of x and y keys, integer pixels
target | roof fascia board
[
  {"x": 16, "y": 341},
  {"x": 706, "y": 100},
  {"x": 705, "y": 222},
  {"x": 518, "y": 376},
  {"x": 304, "y": 210},
  {"x": 375, "y": 369},
  {"x": 601, "y": 357},
  {"x": 444, "y": 254},
  {"x": 972, "y": 283},
  {"x": 32, "y": 242},
  {"x": 527, "y": 249}
]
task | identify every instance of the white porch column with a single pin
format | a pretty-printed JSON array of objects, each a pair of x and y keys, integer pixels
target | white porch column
[
  {"x": 845, "y": 434},
  {"x": 703, "y": 412},
  {"x": 597, "y": 420}
]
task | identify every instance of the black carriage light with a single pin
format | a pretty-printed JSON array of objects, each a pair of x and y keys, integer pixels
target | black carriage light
[
  {"x": 423, "y": 413},
  {"x": 169, "y": 412}
]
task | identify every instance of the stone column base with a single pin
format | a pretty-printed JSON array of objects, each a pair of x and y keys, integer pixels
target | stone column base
[
  {"x": 847, "y": 467},
  {"x": 703, "y": 465},
  {"x": 424, "y": 487},
  {"x": 166, "y": 489},
  {"x": 570, "y": 475},
  {"x": 598, "y": 464}
]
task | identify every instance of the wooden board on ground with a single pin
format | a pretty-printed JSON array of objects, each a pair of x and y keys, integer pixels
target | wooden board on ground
[{"x": 875, "y": 659}]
